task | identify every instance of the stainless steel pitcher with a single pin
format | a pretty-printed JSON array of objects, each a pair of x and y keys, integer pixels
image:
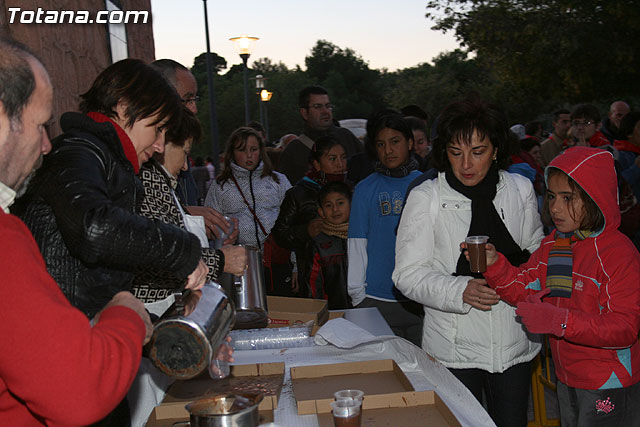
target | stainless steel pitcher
[
  {"x": 183, "y": 346},
  {"x": 248, "y": 292}
]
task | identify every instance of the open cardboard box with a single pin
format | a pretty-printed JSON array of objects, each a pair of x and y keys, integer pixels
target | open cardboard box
[
  {"x": 402, "y": 409},
  {"x": 285, "y": 311},
  {"x": 172, "y": 409},
  {"x": 389, "y": 396}
]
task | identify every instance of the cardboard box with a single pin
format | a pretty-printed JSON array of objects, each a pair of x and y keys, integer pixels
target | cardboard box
[
  {"x": 284, "y": 311},
  {"x": 390, "y": 399},
  {"x": 406, "y": 409},
  {"x": 172, "y": 409}
]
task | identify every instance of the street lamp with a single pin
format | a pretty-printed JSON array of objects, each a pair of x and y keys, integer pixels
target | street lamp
[
  {"x": 265, "y": 96},
  {"x": 243, "y": 43},
  {"x": 213, "y": 118},
  {"x": 260, "y": 83}
]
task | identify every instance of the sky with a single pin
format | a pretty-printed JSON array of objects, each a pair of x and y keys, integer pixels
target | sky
[{"x": 385, "y": 33}]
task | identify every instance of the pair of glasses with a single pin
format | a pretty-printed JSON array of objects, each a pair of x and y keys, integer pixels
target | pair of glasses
[
  {"x": 585, "y": 123},
  {"x": 320, "y": 106},
  {"x": 190, "y": 100}
]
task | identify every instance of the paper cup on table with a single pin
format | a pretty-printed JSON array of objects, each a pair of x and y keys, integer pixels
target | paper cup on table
[
  {"x": 476, "y": 245},
  {"x": 347, "y": 413}
]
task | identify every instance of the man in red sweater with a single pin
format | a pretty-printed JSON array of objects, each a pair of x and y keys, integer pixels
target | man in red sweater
[{"x": 56, "y": 366}]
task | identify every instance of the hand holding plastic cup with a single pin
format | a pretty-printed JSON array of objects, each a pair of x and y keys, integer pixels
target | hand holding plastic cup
[
  {"x": 347, "y": 413},
  {"x": 476, "y": 245}
]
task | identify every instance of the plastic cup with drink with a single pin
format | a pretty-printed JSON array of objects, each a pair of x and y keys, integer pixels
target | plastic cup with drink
[{"x": 476, "y": 246}]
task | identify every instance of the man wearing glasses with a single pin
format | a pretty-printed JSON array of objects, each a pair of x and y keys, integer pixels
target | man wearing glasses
[
  {"x": 316, "y": 111},
  {"x": 185, "y": 83},
  {"x": 585, "y": 127}
]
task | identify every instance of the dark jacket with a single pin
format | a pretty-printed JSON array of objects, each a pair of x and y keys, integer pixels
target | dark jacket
[
  {"x": 298, "y": 208},
  {"x": 294, "y": 160},
  {"x": 81, "y": 210},
  {"x": 328, "y": 278}
]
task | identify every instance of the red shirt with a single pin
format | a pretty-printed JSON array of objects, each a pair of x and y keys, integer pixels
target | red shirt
[{"x": 55, "y": 368}]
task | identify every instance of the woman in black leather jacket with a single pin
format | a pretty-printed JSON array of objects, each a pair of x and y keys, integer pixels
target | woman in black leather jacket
[
  {"x": 81, "y": 205},
  {"x": 298, "y": 222}
]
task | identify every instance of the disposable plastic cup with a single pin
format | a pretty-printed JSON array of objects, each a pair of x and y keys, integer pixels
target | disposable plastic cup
[
  {"x": 349, "y": 395},
  {"x": 219, "y": 369},
  {"x": 347, "y": 413},
  {"x": 476, "y": 245}
]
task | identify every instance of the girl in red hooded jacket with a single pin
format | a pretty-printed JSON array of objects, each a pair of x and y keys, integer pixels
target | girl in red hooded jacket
[{"x": 582, "y": 287}]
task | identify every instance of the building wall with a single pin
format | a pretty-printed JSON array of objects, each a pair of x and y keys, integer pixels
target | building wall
[{"x": 74, "y": 54}]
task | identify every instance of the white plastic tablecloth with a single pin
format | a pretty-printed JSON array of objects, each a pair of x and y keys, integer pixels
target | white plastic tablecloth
[{"x": 423, "y": 372}]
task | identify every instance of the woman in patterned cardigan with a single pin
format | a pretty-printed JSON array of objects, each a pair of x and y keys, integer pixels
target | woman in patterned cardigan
[{"x": 159, "y": 177}]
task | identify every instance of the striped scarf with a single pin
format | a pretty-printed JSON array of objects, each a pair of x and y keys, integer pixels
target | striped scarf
[{"x": 560, "y": 263}]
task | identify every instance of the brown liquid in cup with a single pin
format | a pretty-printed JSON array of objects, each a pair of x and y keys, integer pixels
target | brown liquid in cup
[
  {"x": 477, "y": 257},
  {"x": 353, "y": 421}
]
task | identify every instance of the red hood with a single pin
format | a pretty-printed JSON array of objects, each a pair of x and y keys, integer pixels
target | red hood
[{"x": 594, "y": 171}]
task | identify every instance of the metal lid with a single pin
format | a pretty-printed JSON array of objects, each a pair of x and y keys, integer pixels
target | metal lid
[{"x": 179, "y": 348}]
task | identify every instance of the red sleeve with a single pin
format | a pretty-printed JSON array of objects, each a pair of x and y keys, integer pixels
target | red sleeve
[
  {"x": 614, "y": 320},
  {"x": 315, "y": 278},
  {"x": 512, "y": 283},
  {"x": 52, "y": 360}
]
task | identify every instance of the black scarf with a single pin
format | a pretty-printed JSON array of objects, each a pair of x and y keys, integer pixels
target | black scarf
[
  {"x": 401, "y": 171},
  {"x": 485, "y": 220}
]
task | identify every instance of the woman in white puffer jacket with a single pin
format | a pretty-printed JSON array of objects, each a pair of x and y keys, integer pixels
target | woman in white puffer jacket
[
  {"x": 466, "y": 326},
  {"x": 248, "y": 185}
]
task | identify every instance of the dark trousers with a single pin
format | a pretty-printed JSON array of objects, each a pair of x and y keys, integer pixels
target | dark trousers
[
  {"x": 404, "y": 318},
  {"x": 507, "y": 393},
  {"x": 614, "y": 407}
]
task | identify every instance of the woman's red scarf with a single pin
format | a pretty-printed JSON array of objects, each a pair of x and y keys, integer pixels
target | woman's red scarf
[{"x": 127, "y": 144}]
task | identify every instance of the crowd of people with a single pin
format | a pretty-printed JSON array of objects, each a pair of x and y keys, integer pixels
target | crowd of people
[{"x": 112, "y": 214}]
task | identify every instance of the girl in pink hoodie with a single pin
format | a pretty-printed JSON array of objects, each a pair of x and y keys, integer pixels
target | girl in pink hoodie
[{"x": 582, "y": 287}]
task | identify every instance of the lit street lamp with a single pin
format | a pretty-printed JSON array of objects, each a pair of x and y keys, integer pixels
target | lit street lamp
[
  {"x": 265, "y": 96},
  {"x": 244, "y": 44}
]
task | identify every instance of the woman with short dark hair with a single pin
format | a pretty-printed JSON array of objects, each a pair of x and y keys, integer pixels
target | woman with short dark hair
[
  {"x": 466, "y": 325},
  {"x": 159, "y": 176},
  {"x": 81, "y": 206}
]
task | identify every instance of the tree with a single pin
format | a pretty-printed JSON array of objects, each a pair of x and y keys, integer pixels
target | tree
[
  {"x": 576, "y": 50},
  {"x": 353, "y": 86},
  {"x": 199, "y": 68},
  {"x": 265, "y": 65}
]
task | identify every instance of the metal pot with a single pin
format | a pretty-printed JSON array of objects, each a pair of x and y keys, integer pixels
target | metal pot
[
  {"x": 248, "y": 292},
  {"x": 225, "y": 410},
  {"x": 183, "y": 346}
]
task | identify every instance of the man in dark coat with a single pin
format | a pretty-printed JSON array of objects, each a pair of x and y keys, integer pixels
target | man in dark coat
[{"x": 317, "y": 112}]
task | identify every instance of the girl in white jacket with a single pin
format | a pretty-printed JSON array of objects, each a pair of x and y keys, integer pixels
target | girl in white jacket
[
  {"x": 466, "y": 326},
  {"x": 248, "y": 188}
]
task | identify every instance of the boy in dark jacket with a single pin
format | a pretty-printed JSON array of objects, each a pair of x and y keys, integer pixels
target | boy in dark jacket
[{"x": 329, "y": 249}]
